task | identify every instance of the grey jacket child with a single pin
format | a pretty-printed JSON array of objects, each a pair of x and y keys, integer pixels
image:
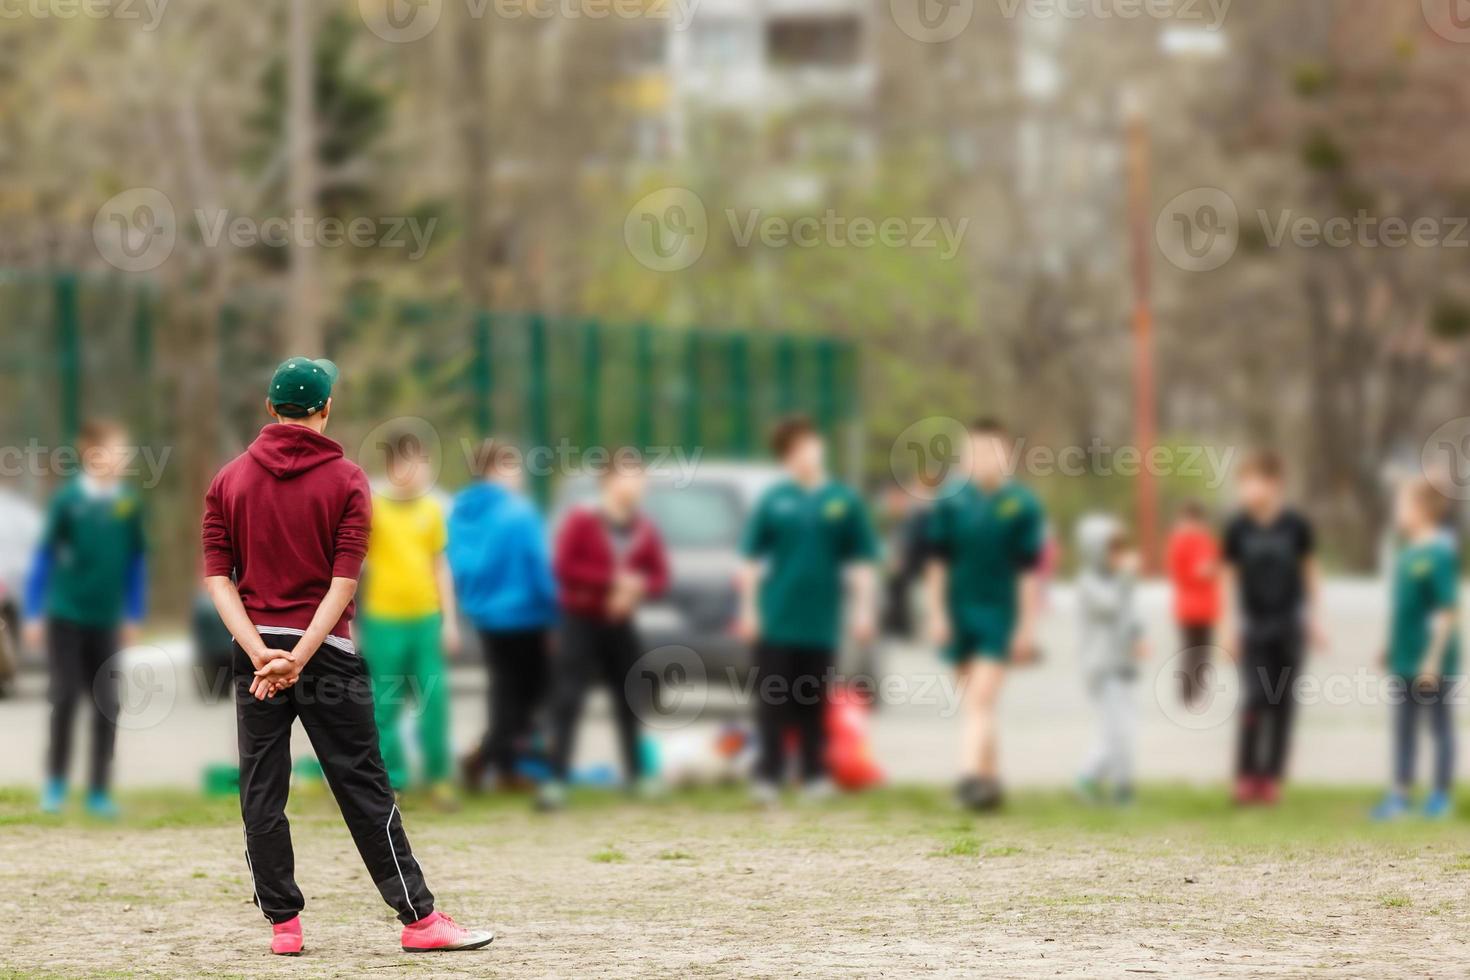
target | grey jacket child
[{"x": 1110, "y": 627}]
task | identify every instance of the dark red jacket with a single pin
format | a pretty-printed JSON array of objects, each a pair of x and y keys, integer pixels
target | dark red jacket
[
  {"x": 584, "y": 562},
  {"x": 284, "y": 518}
]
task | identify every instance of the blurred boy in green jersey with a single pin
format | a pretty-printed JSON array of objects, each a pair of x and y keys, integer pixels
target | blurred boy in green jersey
[
  {"x": 1423, "y": 654},
  {"x": 986, "y": 540},
  {"x": 801, "y": 537}
]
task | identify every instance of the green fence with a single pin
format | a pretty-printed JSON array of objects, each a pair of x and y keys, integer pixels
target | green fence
[
  {"x": 73, "y": 346},
  {"x": 79, "y": 345}
]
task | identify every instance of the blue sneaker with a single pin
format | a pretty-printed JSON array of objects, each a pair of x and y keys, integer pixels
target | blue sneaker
[
  {"x": 99, "y": 804},
  {"x": 53, "y": 796},
  {"x": 1089, "y": 790},
  {"x": 1439, "y": 805},
  {"x": 1393, "y": 806}
]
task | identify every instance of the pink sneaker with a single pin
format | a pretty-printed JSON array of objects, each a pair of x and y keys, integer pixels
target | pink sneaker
[
  {"x": 286, "y": 937},
  {"x": 437, "y": 931}
]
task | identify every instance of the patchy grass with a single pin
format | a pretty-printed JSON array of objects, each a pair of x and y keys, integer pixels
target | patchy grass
[{"x": 609, "y": 855}]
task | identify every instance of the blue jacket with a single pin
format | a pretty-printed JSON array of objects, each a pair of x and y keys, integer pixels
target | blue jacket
[{"x": 500, "y": 559}]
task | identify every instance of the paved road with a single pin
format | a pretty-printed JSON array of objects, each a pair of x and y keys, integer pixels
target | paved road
[{"x": 169, "y": 735}]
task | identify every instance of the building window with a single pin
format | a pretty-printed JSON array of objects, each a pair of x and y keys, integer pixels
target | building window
[{"x": 802, "y": 42}]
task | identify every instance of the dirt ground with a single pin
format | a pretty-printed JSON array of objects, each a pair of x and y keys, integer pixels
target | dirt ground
[{"x": 894, "y": 884}]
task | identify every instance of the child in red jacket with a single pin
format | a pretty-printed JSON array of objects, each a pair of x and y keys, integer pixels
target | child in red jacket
[
  {"x": 608, "y": 558},
  {"x": 1194, "y": 573}
]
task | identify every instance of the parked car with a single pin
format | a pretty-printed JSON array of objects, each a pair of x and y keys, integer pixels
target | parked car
[
  {"x": 701, "y": 521},
  {"x": 20, "y": 529}
]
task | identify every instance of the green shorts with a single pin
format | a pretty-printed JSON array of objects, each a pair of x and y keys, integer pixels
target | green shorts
[{"x": 981, "y": 634}]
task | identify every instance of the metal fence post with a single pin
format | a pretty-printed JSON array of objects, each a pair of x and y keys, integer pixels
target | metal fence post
[
  {"x": 143, "y": 362},
  {"x": 591, "y": 383},
  {"x": 643, "y": 383},
  {"x": 785, "y": 376},
  {"x": 484, "y": 379},
  {"x": 826, "y": 385},
  {"x": 739, "y": 407},
  {"x": 692, "y": 392},
  {"x": 69, "y": 343},
  {"x": 537, "y": 411}
]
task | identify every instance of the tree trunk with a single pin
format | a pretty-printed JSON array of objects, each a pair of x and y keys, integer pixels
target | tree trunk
[
  {"x": 303, "y": 329},
  {"x": 474, "y": 139}
]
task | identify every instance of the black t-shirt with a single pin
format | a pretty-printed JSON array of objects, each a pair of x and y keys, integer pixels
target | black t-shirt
[{"x": 1268, "y": 561}]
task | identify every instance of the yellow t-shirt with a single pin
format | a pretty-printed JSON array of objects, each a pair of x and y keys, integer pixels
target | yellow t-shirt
[{"x": 407, "y": 538}]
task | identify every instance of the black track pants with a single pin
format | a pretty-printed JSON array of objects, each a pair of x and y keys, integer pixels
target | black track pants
[
  {"x": 590, "y": 651},
  {"x": 791, "y": 695},
  {"x": 1268, "y": 673},
  {"x": 80, "y": 672},
  {"x": 334, "y": 701},
  {"x": 518, "y": 670}
]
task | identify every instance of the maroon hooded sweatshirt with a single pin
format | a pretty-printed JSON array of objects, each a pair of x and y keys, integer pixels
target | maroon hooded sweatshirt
[{"x": 284, "y": 518}]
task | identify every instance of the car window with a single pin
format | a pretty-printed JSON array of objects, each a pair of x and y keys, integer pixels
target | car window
[{"x": 697, "y": 516}]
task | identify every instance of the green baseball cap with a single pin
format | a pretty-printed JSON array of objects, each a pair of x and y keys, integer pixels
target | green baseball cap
[{"x": 301, "y": 386}]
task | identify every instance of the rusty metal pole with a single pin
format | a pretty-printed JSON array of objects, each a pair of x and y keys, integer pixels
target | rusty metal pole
[{"x": 1145, "y": 404}]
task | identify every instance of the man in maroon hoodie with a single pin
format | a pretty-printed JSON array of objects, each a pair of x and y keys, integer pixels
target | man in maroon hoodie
[
  {"x": 285, "y": 531},
  {"x": 609, "y": 558}
]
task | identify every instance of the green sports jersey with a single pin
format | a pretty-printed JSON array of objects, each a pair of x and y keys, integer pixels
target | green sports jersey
[
  {"x": 805, "y": 537},
  {"x": 94, "y": 541},
  {"x": 1426, "y": 580},
  {"x": 988, "y": 540}
]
